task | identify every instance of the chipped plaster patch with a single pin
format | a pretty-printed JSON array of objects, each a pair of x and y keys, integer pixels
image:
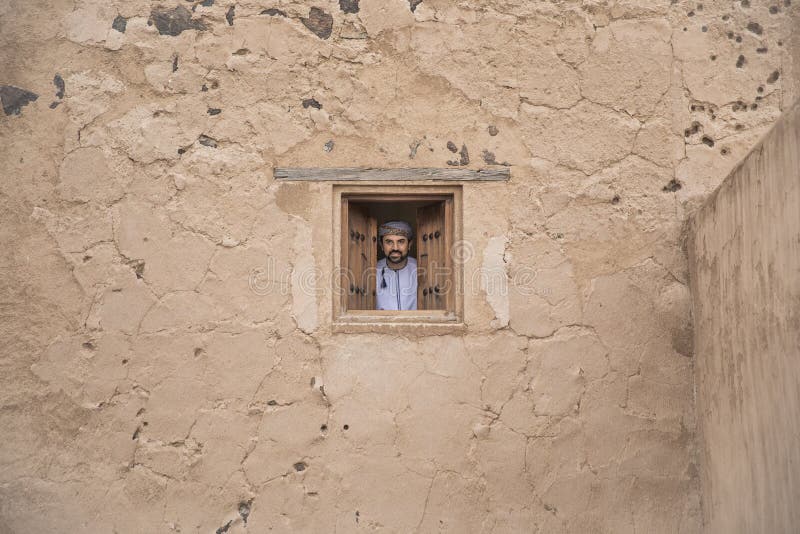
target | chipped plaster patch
[
  {"x": 304, "y": 288},
  {"x": 494, "y": 280}
]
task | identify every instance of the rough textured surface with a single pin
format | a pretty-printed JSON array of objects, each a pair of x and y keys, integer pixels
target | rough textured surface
[
  {"x": 744, "y": 250},
  {"x": 167, "y": 355}
]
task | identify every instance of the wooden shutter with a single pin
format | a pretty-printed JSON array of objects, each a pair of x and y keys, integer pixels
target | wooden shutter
[
  {"x": 434, "y": 265},
  {"x": 361, "y": 254}
]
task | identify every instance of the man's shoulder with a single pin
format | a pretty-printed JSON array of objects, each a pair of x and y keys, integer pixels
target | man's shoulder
[{"x": 381, "y": 263}]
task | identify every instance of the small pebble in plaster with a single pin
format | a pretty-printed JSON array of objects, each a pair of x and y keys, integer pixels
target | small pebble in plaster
[
  {"x": 760, "y": 89},
  {"x": 413, "y": 4},
  {"x": 327, "y": 147},
  {"x": 740, "y": 62},
  {"x": 451, "y": 146},
  {"x": 242, "y": 52},
  {"x": 175, "y": 63},
  {"x": 230, "y": 14},
  {"x": 745, "y": 3},
  {"x": 323, "y": 428},
  {"x": 753, "y": 107},
  {"x": 272, "y": 402},
  {"x": 704, "y": 29},
  {"x": 145, "y": 423},
  {"x": 224, "y": 528},
  {"x": 346, "y": 427},
  {"x": 88, "y": 345},
  {"x": 773, "y": 10},
  {"x": 489, "y": 158},
  {"x": 739, "y": 127},
  {"x": 136, "y": 433},
  {"x": 54, "y": 104},
  {"x": 174, "y": 21},
  {"x": 699, "y": 7},
  {"x": 413, "y": 147},
  {"x": 713, "y": 58},
  {"x": 707, "y": 141},
  {"x": 58, "y": 81},
  {"x": 300, "y": 466},
  {"x": 120, "y": 24},
  {"x": 348, "y": 6},
  {"x": 244, "y": 510},
  {"x": 771, "y": 79},
  {"x": 690, "y": 14},
  {"x": 207, "y": 3},
  {"x": 14, "y": 99},
  {"x": 272, "y": 12},
  {"x": 787, "y": 3},
  {"x": 725, "y": 17},
  {"x": 464, "y": 156},
  {"x": 725, "y": 151},
  {"x": 761, "y": 50},
  {"x": 124, "y": 361},
  {"x": 207, "y": 141},
  {"x": 181, "y": 151},
  {"x": 693, "y": 129},
  {"x": 358, "y": 516},
  {"x": 730, "y": 35},
  {"x": 615, "y": 200},
  {"x": 198, "y": 352},
  {"x": 493, "y": 130},
  {"x": 138, "y": 268},
  {"x": 738, "y": 38},
  {"x": 672, "y": 186},
  {"x": 311, "y": 103},
  {"x": 214, "y": 111},
  {"x": 204, "y": 88},
  {"x": 755, "y": 27},
  {"x": 319, "y": 22},
  {"x": 780, "y": 43}
]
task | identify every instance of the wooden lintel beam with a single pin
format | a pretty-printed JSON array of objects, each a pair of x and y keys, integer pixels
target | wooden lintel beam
[{"x": 354, "y": 174}]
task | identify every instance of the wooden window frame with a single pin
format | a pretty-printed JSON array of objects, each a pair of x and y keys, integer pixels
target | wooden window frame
[{"x": 345, "y": 320}]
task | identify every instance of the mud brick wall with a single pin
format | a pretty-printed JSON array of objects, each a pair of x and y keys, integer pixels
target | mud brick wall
[{"x": 147, "y": 384}]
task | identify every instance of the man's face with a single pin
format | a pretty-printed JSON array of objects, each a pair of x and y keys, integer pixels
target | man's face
[{"x": 395, "y": 247}]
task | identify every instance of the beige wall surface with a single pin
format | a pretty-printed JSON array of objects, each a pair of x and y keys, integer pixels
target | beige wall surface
[
  {"x": 745, "y": 262},
  {"x": 167, "y": 359}
]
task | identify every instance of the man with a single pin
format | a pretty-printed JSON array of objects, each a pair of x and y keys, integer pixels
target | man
[{"x": 397, "y": 273}]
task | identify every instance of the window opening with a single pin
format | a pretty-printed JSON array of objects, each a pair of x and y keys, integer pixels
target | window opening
[{"x": 367, "y": 275}]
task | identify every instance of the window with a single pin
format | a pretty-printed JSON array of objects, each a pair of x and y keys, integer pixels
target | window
[{"x": 434, "y": 215}]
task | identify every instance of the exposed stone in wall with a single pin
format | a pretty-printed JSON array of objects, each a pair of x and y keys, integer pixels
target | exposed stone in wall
[{"x": 168, "y": 361}]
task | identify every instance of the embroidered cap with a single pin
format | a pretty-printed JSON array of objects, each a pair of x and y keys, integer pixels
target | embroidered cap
[{"x": 395, "y": 228}]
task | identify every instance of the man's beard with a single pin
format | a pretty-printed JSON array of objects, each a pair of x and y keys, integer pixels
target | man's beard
[{"x": 399, "y": 259}]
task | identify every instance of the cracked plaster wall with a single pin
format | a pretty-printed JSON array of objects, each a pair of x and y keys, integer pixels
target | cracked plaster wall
[{"x": 166, "y": 364}]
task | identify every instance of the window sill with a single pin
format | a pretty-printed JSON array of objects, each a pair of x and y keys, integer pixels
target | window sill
[{"x": 417, "y": 326}]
